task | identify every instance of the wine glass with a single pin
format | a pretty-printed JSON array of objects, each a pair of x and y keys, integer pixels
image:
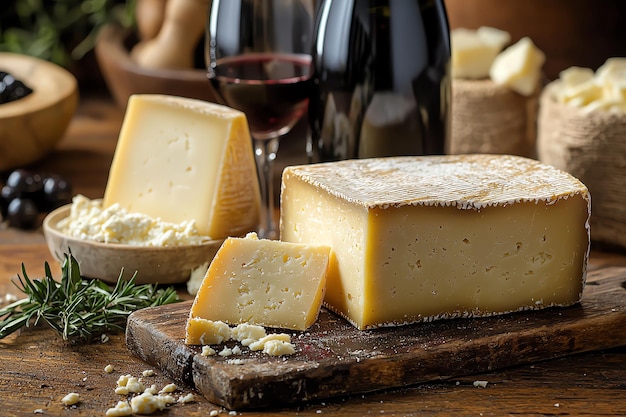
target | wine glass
[{"x": 258, "y": 56}]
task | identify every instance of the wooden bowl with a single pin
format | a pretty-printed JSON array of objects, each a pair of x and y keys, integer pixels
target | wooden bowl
[
  {"x": 32, "y": 126},
  {"x": 105, "y": 261},
  {"x": 124, "y": 77}
]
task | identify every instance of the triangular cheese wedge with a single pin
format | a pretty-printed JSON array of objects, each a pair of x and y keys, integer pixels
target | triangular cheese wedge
[{"x": 183, "y": 159}]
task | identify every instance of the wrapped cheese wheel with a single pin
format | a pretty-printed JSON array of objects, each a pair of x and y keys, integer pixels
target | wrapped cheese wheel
[
  {"x": 581, "y": 129},
  {"x": 494, "y": 94}
]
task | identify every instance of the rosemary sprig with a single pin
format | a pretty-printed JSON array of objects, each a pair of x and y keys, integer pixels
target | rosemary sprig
[{"x": 78, "y": 309}]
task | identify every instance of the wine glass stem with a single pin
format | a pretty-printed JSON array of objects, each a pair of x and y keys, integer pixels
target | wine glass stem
[{"x": 265, "y": 151}]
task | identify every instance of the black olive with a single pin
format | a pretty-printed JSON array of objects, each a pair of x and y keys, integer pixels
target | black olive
[
  {"x": 56, "y": 192},
  {"x": 22, "y": 213},
  {"x": 12, "y": 89},
  {"x": 6, "y": 195},
  {"x": 26, "y": 194},
  {"x": 24, "y": 181}
]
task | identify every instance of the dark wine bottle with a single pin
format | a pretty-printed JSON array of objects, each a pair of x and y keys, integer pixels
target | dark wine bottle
[{"x": 381, "y": 79}]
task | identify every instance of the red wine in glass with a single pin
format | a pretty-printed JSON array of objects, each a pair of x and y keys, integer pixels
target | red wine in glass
[{"x": 272, "y": 89}]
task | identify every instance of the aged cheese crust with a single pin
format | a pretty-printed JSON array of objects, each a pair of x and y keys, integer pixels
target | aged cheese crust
[{"x": 469, "y": 181}]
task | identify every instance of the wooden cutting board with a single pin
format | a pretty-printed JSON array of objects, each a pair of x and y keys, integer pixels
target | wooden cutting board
[{"x": 333, "y": 358}]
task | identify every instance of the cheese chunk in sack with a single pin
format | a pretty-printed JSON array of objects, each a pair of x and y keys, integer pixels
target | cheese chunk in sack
[
  {"x": 423, "y": 238},
  {"x": 473, "y": 51},
  {"x": 180, "y": 159},
  {"x": 264, "y": 282},
  {"x": 519, "y": 67}
]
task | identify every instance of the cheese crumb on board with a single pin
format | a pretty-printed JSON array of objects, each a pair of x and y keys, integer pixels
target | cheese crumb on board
[
  {"x": 423, "y": 238},
  {"x": 109, "y": 369},
  {"x": 89, "y": 220},
  {"x": 252, "y": 336},
  {"x": 201, "y": 331},
  {"x": 247, "y": 333},
  {"x": 275, "y": 337},
  {"x": 278, "y": 348},
  {"x": 264, "y": 282},
  {"x": 180, "y": 159},
  {"x": 208, "y": 351}
]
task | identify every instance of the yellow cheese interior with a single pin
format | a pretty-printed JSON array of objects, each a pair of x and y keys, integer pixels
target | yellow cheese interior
[
  {"x": 423, "y": 238},
  {"x": 264, "y": 282},
  {"x": 181, "y": 159}
]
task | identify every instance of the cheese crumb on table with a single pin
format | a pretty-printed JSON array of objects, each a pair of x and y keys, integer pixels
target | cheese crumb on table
[
  {"x": 71, "y": 399},
  {"x": 148, "y": 403},
  {"x": 109, "y": 369},
  {"x": 184, "y": 399},
  {"x": 121, "y": 409},
  {"x": 169, "y": 388}
]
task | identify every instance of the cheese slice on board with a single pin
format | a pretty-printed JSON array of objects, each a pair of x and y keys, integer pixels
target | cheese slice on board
[
  {"x": 181, "y": 159},
  {"x": 263, "y": 282},
  {"x": 423, "y": 238}
]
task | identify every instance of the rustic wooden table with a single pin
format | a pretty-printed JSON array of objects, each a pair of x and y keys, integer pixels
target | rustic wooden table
[{"x": 37, "y": 369}]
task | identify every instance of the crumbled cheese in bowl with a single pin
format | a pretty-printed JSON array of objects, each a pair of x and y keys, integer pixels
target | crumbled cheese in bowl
[{"x": 88, "y": 220}]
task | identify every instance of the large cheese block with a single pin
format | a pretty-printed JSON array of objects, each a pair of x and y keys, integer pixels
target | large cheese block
[
  {"x": 179, "y": 159},
  {"x": 423, "y": 238},
  {"x": 263, "y": 282}
]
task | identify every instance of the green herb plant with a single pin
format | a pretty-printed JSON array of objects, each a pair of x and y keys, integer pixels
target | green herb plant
[
  {"x": 78, "y": 309},
  {"x": 60, "y": 31}
]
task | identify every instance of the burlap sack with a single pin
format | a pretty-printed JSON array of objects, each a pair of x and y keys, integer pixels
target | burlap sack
[
  {"x": 592, "y": 147},
  {"x": 487, "y": 118}
]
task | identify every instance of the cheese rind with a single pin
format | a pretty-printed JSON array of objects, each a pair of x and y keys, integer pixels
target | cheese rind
[
  {"x": 179, "y": 159},
  {"x": 422, "y": 238},
  {"x": 264, "y": 282}
]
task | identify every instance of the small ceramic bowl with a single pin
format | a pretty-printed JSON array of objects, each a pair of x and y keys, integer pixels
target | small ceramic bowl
[
  {"x": 105, "y": 261},
  {"x": 124, "y": 77},
  {"x": 32, "y": 126}
]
